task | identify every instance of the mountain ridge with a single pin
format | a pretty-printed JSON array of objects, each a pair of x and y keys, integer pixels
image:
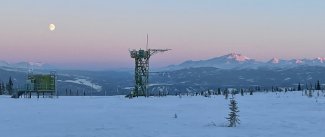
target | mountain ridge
[
  {"x": 27, "y": 65},
  {"x": 239, "y": 61}
]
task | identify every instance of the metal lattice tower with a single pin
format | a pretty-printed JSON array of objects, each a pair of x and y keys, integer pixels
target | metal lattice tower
[{"x": 141, "y": 75}]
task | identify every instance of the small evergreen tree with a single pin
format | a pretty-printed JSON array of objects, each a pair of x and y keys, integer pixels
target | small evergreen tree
[
  {"x": 10, "y": 86},
  {"x": 226, "y": 93},
  {"x": 233, "y": 93},
  {"x": 233, "y": 116},
  {"x": 318, "y": 86},
  {"x": 242, "y": 92},
  {"x": 1, "y": 89},
  {"x": 299, "y": 87},
  {"x": 219, "y": 91}
]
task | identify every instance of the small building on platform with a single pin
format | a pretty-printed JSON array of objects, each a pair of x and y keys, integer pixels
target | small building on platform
[{"x": 39, "y": 85}]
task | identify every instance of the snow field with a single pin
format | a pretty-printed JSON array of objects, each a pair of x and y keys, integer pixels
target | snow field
[{"x": 262, "y": 115}]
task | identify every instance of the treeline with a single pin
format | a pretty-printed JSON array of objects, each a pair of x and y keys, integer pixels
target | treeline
[
  {"x": 251, "y": 90},
  {"x": 7, "y": 88},
  {"x": 310, "y": 86}
]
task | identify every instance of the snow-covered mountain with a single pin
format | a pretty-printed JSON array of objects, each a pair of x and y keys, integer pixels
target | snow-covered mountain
[
  {"x": 182, "y": 80},
  {"x": 3, "y": 63},
  {"x": 320, "y": 60},
  {"x": 229, "y": 61},
  {"x": 26, "y": 65},
  {"x": 239, "y": 61},
  {"x": 296, "y": 62},
  {"x": 277, "y": 61}
]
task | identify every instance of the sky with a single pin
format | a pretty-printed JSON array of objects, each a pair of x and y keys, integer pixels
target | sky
[{"x": 97, "y": 34}]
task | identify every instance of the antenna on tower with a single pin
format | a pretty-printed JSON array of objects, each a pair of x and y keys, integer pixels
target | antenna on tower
[
  {"x": 147, "y": 42},
  {"x": 141, "y": 76}
]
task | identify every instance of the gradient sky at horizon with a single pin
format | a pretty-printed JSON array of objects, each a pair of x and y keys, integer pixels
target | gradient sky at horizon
[{"x": 97, "y": 34}]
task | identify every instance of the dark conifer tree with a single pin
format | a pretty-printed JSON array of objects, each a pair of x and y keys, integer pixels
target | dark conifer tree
[
  {"x": 299, "y": 87},
  {"x": 318, "y": 86},
  {"x": 219, "y": 91},
  {"x": 10, "y": 86},
  {"x": 1, "y": 89},
  {"x": 226, "y": 93},
  {"x": 250, "y": 92},
  {"x": 233, "y": 115}
]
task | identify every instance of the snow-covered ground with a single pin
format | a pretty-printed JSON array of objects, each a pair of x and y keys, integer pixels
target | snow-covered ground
[
  {"x": 87, "y": 83},
  {"x": 261, "y": 115}
]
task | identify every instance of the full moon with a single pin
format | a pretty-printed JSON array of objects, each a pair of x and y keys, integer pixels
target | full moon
[{"x": 52, "y": 27}]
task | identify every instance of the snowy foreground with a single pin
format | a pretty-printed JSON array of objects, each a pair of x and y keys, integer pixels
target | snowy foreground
[{"x": 262, "y": 115}]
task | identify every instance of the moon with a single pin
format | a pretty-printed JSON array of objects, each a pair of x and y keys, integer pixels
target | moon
[{"x": 52, "y": 27}]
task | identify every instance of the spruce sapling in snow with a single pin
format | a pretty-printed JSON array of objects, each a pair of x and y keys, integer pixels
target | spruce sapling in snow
[
  {"x": 251, "y": 92},
  {"x": 1, "y": 89},
  {"x": 10, "y": 86},
  {"x": 318, "y": 86},
  {"x": 226, "y": 93},
  {"x": 299, "y": 87},
  {"x": 233, "y": 116}
]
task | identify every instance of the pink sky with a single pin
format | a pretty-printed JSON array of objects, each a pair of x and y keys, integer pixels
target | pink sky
[{"x": 98, "y": 34}]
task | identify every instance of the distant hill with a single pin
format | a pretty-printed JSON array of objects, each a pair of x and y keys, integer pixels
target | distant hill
[
  {"x": 229, "y": 71},
  {"x": 239, "y": 61}
]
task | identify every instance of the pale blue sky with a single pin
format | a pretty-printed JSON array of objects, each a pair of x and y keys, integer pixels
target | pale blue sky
[{"x": 97, "y": 34}]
